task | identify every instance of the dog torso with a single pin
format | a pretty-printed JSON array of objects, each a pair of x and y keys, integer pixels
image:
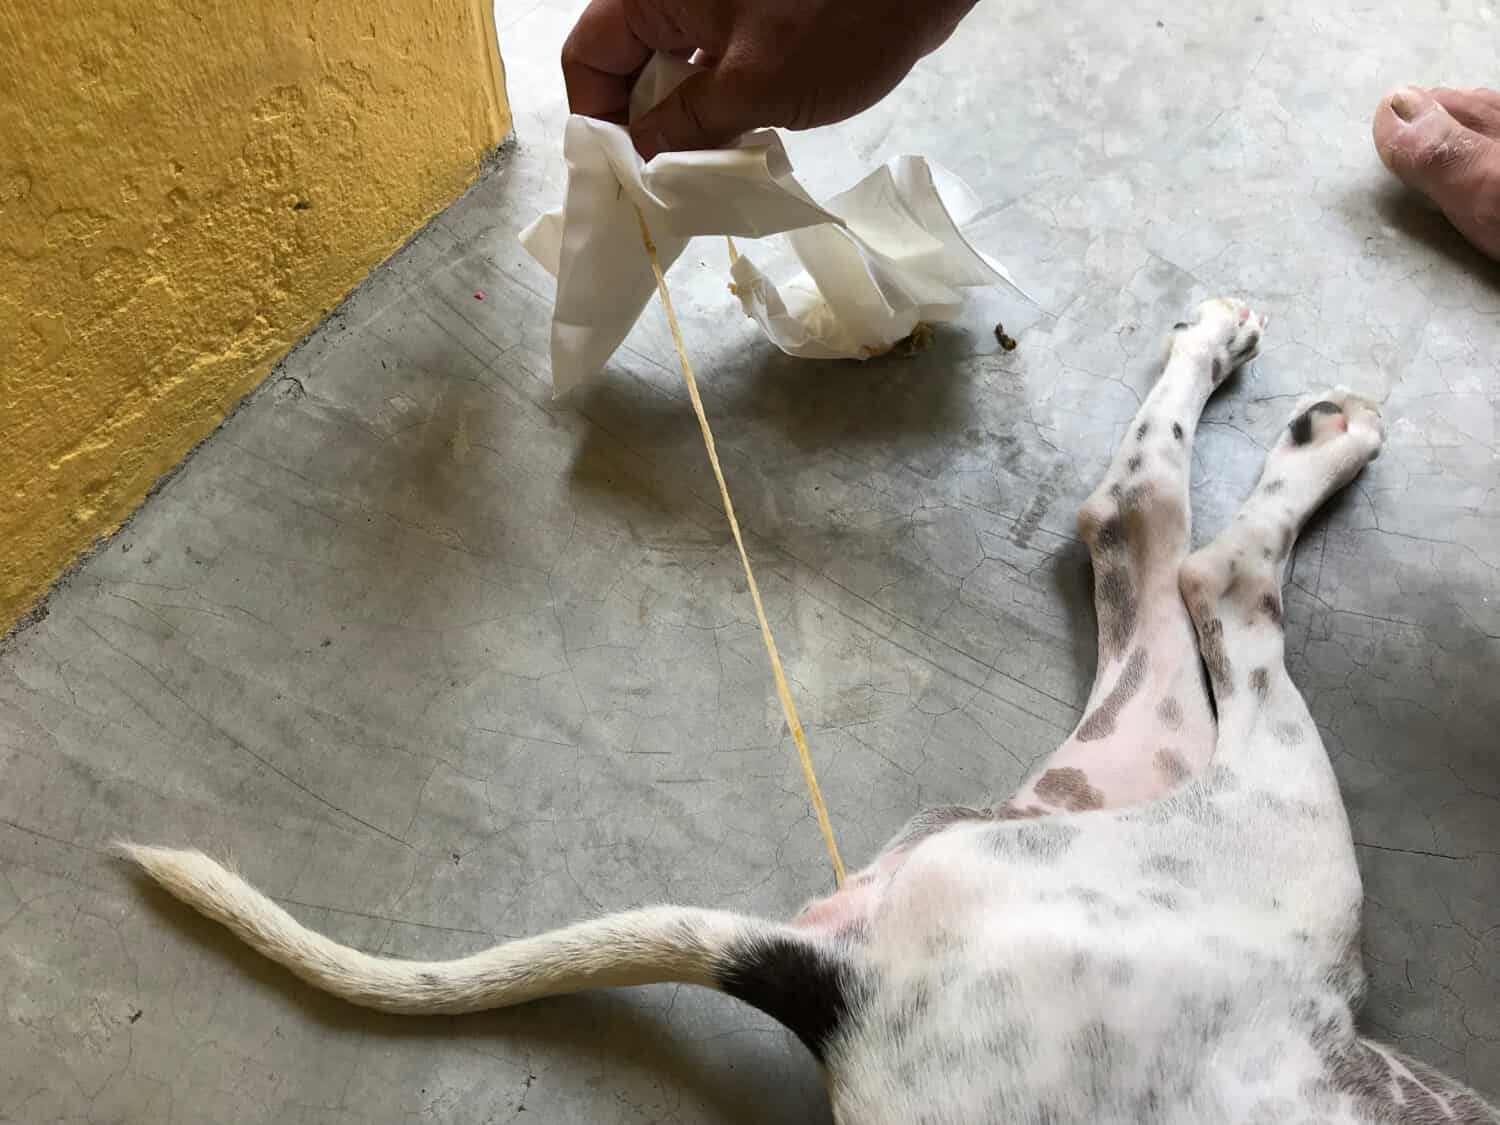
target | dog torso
[{"x": 1050, "y": 978}]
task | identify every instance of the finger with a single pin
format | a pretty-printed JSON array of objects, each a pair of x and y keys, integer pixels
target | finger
[
  {"x": 600, "y": 59},
  {"x": 607, "y": 48},
  {"x": 709, "y": 110}
]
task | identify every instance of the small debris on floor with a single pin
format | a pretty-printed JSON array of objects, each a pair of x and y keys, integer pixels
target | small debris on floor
[
  {"x": 919, "y": 341},
  {"x": 137, "y": 1015},
  {"x": 479, "y": 294},
  {"x": 1006, "y": 342}
]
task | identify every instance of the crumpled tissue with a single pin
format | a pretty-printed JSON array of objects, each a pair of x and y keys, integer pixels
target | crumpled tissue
[{"x": 876, "y": 260}]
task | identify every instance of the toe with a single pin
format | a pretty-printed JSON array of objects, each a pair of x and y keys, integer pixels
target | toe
[
  {"x": 1436, "y": 153},
  {"x": 1477, "y": 108}
]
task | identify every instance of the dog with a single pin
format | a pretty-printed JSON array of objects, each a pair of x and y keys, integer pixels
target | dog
[{"x": 1162, "y": 924}]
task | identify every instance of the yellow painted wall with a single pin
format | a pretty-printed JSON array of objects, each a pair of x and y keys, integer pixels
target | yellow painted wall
[{"x": 184, "y": 190}]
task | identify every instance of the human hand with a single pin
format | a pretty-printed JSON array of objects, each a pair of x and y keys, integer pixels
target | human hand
[{"x": 790, "y": 63}]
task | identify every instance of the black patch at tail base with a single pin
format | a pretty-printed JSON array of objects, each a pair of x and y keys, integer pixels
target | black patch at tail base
[
  {"x": 1302, "y": 424},
  {"x": 808, "y": 990}
]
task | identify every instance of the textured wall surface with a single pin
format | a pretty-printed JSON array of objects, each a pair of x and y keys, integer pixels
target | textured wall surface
[{"x": 184, "y": 192}]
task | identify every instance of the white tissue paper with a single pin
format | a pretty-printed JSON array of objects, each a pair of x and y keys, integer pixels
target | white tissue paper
[{"x": 876, "y": 260}]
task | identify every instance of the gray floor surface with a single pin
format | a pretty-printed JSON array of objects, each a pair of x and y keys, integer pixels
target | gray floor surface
[{"x": 440, "y": 661}]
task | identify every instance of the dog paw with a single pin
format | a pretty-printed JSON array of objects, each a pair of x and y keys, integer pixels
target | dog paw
[
  {"x": 1328, "y": 440},
  {"x": 1225, "y": 333}
]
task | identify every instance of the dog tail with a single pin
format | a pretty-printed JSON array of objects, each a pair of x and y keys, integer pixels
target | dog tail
[{"x": 702, "y": 947}]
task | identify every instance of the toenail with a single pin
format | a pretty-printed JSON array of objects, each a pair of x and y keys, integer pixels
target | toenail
[{"x": 1409, "y": 103}]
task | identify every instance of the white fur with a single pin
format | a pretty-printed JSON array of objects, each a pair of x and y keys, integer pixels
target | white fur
[
  {"x": 667, "y": 943},
  {"x": 1114, "y": 944}
]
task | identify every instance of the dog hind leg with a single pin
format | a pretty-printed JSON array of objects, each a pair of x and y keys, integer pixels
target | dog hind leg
[{"x": 1148, "y": 724}]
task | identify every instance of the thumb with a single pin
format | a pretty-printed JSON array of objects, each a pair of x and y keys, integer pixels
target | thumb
[{"x": 703, "y": 112}]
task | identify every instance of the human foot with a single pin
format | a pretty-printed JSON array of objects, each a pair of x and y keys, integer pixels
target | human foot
[{"x": 1446, "y": 144}]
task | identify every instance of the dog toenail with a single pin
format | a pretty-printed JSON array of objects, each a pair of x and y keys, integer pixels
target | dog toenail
[{"x": 1409, "y": 103}]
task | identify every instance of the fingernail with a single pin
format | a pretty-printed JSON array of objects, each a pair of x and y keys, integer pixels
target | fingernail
[{"x": 1409, "y": 103}]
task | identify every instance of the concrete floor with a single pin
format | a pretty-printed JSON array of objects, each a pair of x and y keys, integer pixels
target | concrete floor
[{"x": 440, "y": 661}]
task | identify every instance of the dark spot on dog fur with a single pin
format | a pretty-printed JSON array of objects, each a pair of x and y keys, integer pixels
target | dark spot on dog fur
[
  {"x": 902, "y": 1015},
  {"x": 853, "y": 933},
  {"x": 1348, "y": 976},
  {"x": 942, "y": 942},
  {"x": 1115, "y": 605},
  {"x": 1173, "y": 766},
  {"x": 1260, "y": 683},
  {"x": 1133, "y": 464},
  {"x": 929, "y": 822},
  {"x": 1288, "y": 734},
  {"x": 1130, "y": 498},
  {"x": 1040, "y": 840},
  {"x": 1110, "y": 536},
  {"x": 1319, "y": 1095},
  {"x": 1009, "y": 1043},
  {"x": 1270, "y": 605},
  {"x": 803, "y": 987},
  {"x": 996, "y": 984},
  {"x": 1274, "y": 486},
  {"x": 1302, "y": 429},
  {"x": 1302, "y": 425},
  {"x": 1218, "y": 369},
  {"x": 1086, "y": 895},
  {"x": 1142, "y": 430},
  {"x": 1161, "y": 899},
  {"x": 1181, "y": 324},
  {"x": 1009, "y": 811},
  {"x": 1177, "y": 431},
  {"x": 1106, "y": 1050},
  {"x": 1069, "y": 788},
  {"x": 1174, "y": 867},
  {"x": 1169, "y": 711},
  {"x": 1211, "y": 648},
  {"x": 1101, "y": 721}
]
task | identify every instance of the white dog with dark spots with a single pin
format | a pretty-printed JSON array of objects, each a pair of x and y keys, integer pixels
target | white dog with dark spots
[{"x": 1161, "y": 925}]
